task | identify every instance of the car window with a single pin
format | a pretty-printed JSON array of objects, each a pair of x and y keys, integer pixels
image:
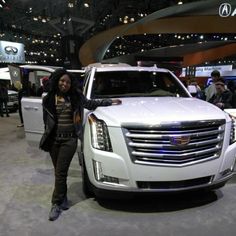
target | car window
[
  {"x": 37, "y": 81},
  {"x": 136, "y": 84}
]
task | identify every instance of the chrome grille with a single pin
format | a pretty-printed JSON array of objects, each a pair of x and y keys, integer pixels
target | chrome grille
[
  {"x": 12, "y": 97},
  {"x": 179, "y": 144}
]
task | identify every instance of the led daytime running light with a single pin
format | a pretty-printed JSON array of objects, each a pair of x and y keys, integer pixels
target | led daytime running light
[{"x": 99, "y": 134}]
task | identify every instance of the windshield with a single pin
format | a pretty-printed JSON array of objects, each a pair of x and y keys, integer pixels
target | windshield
[{"x": 113, "y": 84}]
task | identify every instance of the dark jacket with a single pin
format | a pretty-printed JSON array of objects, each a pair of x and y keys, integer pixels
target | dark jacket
[
  {"x": 78, "y": 102},
  {"x": 225, "y": 98},
  {"x": 3, "y": 94}
]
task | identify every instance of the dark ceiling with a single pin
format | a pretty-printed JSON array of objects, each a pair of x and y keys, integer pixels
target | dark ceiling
[
  {"x": 61, "y": 17},
  {"x": 44, "y": 26}
]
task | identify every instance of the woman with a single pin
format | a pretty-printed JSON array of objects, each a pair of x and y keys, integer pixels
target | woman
[
  {"x": 3, "y": 99},
  {"x": 62, "y": 107}
]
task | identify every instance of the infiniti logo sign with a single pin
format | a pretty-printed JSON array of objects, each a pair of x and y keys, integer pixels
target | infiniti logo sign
[
  {"x": 11, "y": 50},
  {"x": 225, "y": 10}
]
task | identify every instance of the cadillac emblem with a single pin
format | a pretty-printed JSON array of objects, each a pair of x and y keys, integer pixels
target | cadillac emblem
[{"x": 179, "y": 140}]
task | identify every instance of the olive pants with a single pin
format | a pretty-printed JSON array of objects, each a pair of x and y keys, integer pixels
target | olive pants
[{"x": 61, "y": 153}]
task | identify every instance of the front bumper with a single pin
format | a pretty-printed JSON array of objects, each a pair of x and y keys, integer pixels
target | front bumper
[
  {"x": 117, "y": 194},
  {"x": 138, "y": 178}
]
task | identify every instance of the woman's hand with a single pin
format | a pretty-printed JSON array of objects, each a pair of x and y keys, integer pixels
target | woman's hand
[{"x": 116, "y": 101}]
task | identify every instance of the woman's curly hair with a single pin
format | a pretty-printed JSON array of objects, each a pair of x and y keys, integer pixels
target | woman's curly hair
[{"x": 54, "y": 79}]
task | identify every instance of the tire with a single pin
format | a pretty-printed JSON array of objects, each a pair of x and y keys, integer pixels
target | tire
[{"x": 86, "y": 184}]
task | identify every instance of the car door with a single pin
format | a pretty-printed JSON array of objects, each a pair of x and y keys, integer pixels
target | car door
[
  {"x": 31, "y": 105},
  {"x": 33, "y": 118}
]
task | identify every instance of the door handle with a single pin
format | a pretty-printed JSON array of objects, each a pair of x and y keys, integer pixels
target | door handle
[{"x": 30, "y": 108}]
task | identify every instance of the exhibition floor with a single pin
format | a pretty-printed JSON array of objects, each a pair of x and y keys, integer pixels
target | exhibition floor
[{"x": 26, "y": 182}]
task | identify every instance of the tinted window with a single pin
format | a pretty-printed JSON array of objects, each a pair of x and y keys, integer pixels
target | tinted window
[{"x": 136, "y": 84}]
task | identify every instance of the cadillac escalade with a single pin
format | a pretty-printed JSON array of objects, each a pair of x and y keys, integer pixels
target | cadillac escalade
[{"x": 160, "y": 139}]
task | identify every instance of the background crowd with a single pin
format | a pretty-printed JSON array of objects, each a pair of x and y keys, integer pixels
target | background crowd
[{"x": 219, "y": 92}]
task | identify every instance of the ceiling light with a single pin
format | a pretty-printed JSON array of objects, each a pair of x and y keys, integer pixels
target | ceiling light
[
  {"x": 86, "y": 4},
  {"x": 180, "y": 2}
]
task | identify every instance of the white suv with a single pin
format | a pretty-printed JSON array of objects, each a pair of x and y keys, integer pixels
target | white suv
[{"x": 160, "y": 139}]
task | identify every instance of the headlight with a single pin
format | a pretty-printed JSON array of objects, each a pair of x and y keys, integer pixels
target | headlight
[{"x": 99, "y": 134}]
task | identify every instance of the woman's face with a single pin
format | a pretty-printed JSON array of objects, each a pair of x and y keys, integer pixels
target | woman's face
[{"x": 64, "y": 84}]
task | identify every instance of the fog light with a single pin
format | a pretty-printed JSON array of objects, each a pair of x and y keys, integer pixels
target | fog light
[
  {"x": 110, "y": 179},
  {"x": 226, "y": 172},
  {"x": 99, "y": 176}
]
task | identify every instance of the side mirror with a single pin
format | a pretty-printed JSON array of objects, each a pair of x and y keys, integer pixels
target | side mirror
[{"x": 192, "y": 90}]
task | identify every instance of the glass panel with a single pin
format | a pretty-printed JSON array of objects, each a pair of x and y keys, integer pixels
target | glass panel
[{"x": 136, "y": 84}]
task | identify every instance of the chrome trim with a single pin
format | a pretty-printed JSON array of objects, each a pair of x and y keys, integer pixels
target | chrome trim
[
  {"x": 175, "y": 124},
  {"x": 189, "y": 154},
  {"x": 179, "y": 164},
  {"x": 154, "y": 136},
  {"x": 195, "y": 144}
]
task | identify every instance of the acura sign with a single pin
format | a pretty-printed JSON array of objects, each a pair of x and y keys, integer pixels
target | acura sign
[
  {"x": 12, "y": 52},
  {"x": 226, "y": 10}
]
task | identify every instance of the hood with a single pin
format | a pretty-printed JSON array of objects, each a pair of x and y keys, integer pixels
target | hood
[
  {"x": 158, "y": 110},
  {"x": 11, "y": 92}
]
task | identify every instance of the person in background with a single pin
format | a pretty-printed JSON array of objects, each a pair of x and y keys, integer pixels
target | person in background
[
  {"x": 62, "y": 108},
  {"x": 13, "y": 87},
  {"x": 45, "y": 82},
  {"x": 44, "y": 88},
  {"x": 211, "y": 89},
  {"x": 33, "y": 89},
  {"x": 199, "y": 94},
  {"x": 3, "y": 99},
  {"x": 223, "y": 97},
  {"x": 231, "y": 87}
]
